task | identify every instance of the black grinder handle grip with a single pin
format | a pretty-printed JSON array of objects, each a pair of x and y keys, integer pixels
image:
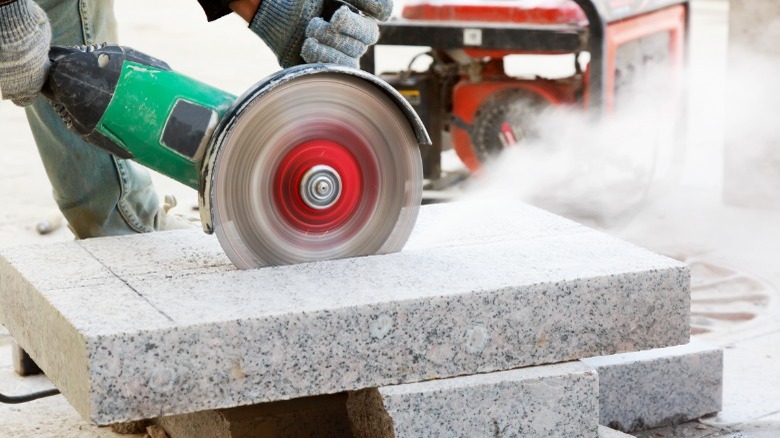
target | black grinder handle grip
[
  {"x": 81, "y": 82},
  {"x": 329, "y": 7}
]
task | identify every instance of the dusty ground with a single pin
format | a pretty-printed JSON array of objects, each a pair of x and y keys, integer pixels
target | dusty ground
[{"x": 733, "y": 251}]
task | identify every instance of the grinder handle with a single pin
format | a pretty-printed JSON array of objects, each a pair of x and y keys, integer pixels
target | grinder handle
[
  {"x": 56, "y": 53},
  {"x": 81, "y": 82},
  {"x": 329, "y": 7}
]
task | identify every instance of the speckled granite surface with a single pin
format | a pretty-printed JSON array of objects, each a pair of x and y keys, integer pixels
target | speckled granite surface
[
  {"x": 158, "y": 324},
  {"x": 660, "y": 387},
  {"x": 551, "y": 400}
]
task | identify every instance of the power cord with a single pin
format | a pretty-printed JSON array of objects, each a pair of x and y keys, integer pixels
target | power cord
[{"x": 18, "y": 399}]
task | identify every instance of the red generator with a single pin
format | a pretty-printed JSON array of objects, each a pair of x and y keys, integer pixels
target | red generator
[{"x": 467, "y": 100}]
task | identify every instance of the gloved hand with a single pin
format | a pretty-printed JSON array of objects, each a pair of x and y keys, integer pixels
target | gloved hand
[
  {"x": 25, "y": 37},
  {"x": 296, "y": 33}
]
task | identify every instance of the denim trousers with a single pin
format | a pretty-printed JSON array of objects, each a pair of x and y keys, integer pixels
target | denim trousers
[{"x": 99, "y": 194}]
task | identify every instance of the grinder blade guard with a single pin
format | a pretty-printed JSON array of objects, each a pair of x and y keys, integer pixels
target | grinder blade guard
[{"x": 319, "y": 166}]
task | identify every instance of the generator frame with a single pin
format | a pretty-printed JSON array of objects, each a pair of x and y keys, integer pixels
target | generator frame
[{"x": 599, "y": 37}]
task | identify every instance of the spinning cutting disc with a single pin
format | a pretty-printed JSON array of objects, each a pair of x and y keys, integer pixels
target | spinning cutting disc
[{"x": 324, "y": 166}]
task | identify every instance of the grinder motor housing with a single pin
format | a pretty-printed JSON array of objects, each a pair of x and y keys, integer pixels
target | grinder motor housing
[{"x": 134, "y": 106}]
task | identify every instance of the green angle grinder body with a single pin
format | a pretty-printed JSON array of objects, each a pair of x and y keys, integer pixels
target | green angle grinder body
[{"x": 313, "y": 162}]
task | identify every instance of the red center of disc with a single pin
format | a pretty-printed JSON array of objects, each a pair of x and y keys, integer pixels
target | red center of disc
[{"x": 293, "y": 209}]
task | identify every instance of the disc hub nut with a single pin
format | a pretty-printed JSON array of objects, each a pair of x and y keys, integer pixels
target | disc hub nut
[{"x": 320, "y": 187}]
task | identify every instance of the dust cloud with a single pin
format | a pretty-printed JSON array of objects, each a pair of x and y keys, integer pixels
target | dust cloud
[
  {"x": 752, "y": 152},
  {"x": 603, "y": 170},
  {"x": 593, "y": 168}
]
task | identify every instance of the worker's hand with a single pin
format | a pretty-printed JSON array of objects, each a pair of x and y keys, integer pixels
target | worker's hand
[
  {"x": 25, "y": 37},
  {"x": 296, "y": 32}
]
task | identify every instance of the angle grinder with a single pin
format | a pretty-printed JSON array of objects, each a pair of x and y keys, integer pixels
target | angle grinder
[{"x": 313, "y": 162}]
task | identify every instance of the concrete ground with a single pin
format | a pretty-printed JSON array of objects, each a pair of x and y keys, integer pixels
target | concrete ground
[{"x": 733, "y": 251}]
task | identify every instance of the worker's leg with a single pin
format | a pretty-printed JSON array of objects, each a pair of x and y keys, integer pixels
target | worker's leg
[{"x": 98, "y": 194}]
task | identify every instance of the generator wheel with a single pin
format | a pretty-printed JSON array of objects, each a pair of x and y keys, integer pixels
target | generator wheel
[{"x": 506, "y": 118}]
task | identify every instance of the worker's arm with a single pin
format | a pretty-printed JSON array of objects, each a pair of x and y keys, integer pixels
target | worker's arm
[
  {"x": 25, "y": 36},
  {"x": 297, "y": 34}
]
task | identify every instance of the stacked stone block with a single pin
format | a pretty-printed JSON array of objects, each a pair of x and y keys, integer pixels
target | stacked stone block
[{"x": 479, "y": 322}]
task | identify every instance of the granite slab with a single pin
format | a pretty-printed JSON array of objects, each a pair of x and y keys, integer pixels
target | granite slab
[
  {"x": 161, "y": 324},
  {"x": 660, "y": 387},
  {"x": 549, "y": 400}
]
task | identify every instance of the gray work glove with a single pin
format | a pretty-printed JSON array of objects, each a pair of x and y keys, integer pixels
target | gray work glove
[
  {"x": 25, "y": 37},
  {"x": 296, "y": 33}
]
